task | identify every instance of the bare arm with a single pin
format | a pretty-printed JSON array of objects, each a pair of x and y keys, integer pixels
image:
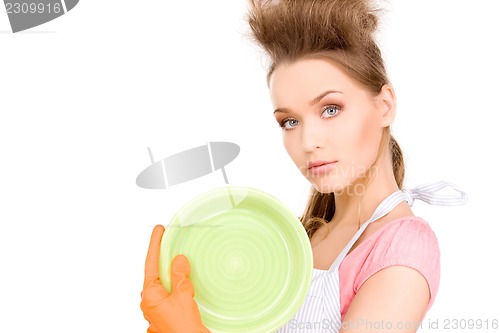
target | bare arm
[{"x": 391, "y": 300}]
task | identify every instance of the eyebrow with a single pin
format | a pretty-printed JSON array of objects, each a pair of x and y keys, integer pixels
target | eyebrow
[{"x": 315, "y": 100}]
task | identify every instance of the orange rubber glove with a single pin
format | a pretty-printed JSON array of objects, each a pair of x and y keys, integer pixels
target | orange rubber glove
[{"x": 169, "y": 313}]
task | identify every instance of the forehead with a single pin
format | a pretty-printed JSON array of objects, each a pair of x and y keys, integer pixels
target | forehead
[{"x": 305, "y": 79}]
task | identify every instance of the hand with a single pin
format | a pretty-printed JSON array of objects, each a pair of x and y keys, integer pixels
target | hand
[{"x": 169, "y": 313}]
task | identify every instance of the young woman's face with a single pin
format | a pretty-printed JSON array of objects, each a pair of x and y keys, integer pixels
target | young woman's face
[{"x": 332, "y": 126}]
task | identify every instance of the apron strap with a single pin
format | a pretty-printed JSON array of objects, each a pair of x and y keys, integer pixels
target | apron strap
[{"x": 425, "y": 192}]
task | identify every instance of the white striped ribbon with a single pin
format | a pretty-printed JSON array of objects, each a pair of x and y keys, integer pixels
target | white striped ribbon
[{"x": 427, "y": 193}]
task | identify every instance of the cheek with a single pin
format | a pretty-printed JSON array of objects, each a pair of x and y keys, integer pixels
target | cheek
[
  {"x": 288, "y": 144},
  {"x": 292, "y": 147},
  {"x": 365, "y": 141}
]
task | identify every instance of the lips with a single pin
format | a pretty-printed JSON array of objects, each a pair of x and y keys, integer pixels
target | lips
[
  {"x": 318, "y": 163},
  {"x": 320, "y": 167}
]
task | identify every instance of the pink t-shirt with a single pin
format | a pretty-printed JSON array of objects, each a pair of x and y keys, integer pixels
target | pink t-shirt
[{"x": 407, "y": 241}]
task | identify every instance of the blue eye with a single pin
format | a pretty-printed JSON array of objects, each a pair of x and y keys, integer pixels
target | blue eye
[
  {"x": 289, "y": 123},
  {"x": 330, "y": 111}
]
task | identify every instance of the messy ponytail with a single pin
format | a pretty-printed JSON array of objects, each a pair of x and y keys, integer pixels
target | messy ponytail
[{"x": 337, "y": 30}]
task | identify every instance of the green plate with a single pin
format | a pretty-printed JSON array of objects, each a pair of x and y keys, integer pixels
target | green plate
[{"x": 251, "y": 260}]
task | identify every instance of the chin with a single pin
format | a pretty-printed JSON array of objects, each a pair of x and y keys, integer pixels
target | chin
[
  {"x": 326, "y": 188},
  {"x": 338, "y": 186}
]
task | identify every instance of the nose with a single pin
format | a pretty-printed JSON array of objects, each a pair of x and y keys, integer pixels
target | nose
[{"x": 312, "y": 138}]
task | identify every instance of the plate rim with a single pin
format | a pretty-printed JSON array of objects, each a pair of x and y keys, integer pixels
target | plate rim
[{"x": 298, "y": 229}]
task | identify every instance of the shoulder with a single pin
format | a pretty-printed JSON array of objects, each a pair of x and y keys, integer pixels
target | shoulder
[
  {"x": 408, "y": 242},
  {"x": 411, "y": 237}
]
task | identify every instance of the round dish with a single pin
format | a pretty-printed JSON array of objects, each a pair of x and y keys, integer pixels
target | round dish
[{"x": 251, "y": 260}]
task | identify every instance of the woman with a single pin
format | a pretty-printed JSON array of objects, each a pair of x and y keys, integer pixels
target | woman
[{"x": 376, "y": 265}]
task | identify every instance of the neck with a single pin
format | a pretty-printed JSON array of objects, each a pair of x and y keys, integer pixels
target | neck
[{"x": 365, "y": 194}]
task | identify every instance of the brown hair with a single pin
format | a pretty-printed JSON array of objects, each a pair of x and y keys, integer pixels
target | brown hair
[{"x": 338, "y": 30}]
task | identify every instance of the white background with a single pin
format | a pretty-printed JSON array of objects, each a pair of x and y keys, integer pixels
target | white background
[{"x": 83, "y": 96}]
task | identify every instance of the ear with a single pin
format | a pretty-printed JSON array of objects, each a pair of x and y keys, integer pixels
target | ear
[{"x": 387, "y": 105}]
